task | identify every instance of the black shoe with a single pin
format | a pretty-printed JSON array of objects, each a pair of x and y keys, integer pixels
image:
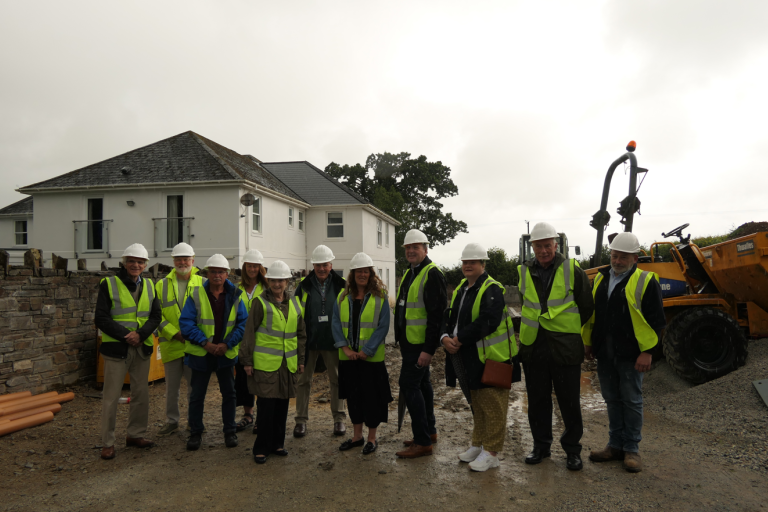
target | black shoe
[
  {"x": 259, "y": 460},
  {"x": 537, "y": 455},
  {"x": 282, "y": 452},
  {"x": 370, "y": 447},
  {"x": 349, "y": 444},
  {"x": 574, "y": 462},
  {"x": 194, "y": 442},
  {"x": 230, "y": 440}
]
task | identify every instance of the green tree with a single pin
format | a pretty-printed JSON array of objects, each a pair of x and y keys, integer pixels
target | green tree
[
  {"x": 408, "y": 189},
  {"x": 499, "y": 266}
]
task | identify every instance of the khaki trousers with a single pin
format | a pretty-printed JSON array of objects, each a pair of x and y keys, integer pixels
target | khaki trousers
[
  {"x": 304, "y": 385},
  {"x": 174, "y": 371},
  {"x": 490, "y": 406},
  {"x": 136, "y": 364}
]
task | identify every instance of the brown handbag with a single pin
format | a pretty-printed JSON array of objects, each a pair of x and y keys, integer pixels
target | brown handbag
[{"x": 496, "y": 374}]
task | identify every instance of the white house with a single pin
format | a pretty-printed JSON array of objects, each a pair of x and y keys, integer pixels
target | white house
[{"x": 190, "y": 189}]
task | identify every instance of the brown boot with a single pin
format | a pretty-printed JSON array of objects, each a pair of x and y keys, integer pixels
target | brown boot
[
  {"x": 432, "y": 437},
  {"x": 108, "y": 452},
  {"x": 606, "y": 454},
  {"x": 414, "y": 451},
  {"x": 139, "y": 442},
  {"x": 632, "y": 462}
]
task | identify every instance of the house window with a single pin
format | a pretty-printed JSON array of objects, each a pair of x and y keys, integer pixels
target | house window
[
  {"x": 95, "y": 224},
  {"x": 256, "y": 215},
  {"x": 174, "y": 212},
  {"x": 290, "y": 217},
  {"x": 335, "y": 225},
  {"x": 301, "y": 221},
  {"x": 387, "y": 283},
  {"x": 381, "y": 275},
  {"x": 386, "y": 234},
  {"x": 379, "y": 234},
  {"x": 21, "y": 232}
]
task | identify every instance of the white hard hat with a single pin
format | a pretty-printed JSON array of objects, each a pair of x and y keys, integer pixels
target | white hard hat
[
  {"x": 136, "y": 251},
  {"x": 474, "y": 252},
  {"x": 279, "y": 270},
  {"x": 322, "y": 254},
  {"x": 218, "y": 261},
  {"x": 625, "y": 242},
  {"x": 360, "y": 260},
  {"x": 182, "y": 249},
  {"x": 414, "y": 236},
  {"x": 253, "y": 256},
  {"x": 542, "y": 231}
]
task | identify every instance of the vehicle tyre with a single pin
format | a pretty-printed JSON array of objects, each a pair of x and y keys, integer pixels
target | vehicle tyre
[{"x": 704, "y": 343}]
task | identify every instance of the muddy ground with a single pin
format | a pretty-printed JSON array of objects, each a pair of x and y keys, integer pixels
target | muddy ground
[{"x": 688, "y": 465}]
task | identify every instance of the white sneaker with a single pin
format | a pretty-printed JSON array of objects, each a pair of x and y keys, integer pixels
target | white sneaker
[
  {"x": 484, "y": 462},
  {"x": 471, "y": 454}
]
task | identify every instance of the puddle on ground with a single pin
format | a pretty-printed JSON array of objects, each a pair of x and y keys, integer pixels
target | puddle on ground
[{"x": 591, "y": 399}]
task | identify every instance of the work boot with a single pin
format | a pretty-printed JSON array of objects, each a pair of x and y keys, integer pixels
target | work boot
[
  {"x": 194, "y": 442},
  {"x": 108, "y": 452},
  {"x": 168, "y": 429},
  {"x": 300, "y": 430},
  {"x": 606, "y": 454},
  {"x": 632, "y": 462},
  {"x": 414, "y": 451},
  {"x": 139, "y": 442},
  {"x": 432, "y": 437},
  {"x": 230, "y": 440}
]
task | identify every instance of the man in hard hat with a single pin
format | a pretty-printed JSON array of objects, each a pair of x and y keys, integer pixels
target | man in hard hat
[
  {"x": 127, "y": 313},
  {"x": 316, "y": 294},
  {"x": 173, "y": 292},
  {"x": 626, "y": 326},
  {"x": 556, "y": 301},
  {"x": 212, "y": 324},
  {"x": 421, "y": 300}
]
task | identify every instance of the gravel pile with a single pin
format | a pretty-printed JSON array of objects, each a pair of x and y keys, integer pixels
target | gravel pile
[{"x": 728, "y": 408}]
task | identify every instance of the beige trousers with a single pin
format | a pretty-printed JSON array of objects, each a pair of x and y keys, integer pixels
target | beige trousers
[
  {"x": 136, "y": 364},
  {"x": 174, "y": 371},
  {"x": 490, "y": 406},
  {"x": 304, "y": 385}
]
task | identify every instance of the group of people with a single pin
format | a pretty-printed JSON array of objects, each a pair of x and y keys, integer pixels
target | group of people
[{"x": 263, "y": 342}]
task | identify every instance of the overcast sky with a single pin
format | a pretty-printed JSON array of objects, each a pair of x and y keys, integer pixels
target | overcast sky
[{"x": 527, "y": 102}]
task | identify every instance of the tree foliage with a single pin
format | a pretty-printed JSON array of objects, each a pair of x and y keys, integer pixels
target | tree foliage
[{"x": 408, "y": 189}]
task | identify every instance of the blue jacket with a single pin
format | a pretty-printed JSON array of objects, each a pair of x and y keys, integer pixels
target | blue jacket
[
  {"x": 192, "y": 333},
  {"x": 378, "y": 336}
]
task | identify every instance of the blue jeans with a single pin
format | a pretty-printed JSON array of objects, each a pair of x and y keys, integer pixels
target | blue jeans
[
  {"x": 199, "y": 382},
  {"x": 622, "y": 389},
  {"x": 419, "y": 398}
]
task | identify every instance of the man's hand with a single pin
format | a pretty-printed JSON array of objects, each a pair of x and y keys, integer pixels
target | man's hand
[
  {"x": 301, "y": 368},
  {"x": 132, "y": 338},
  {"x": 178, "y": 337},
  {"x": 248, "y": 370},
  {"x": 588, "y": 352},
  {"x": 643, "y": 363},
  {"x": 221, "y": 349},
  {"x": 351, "y": 354},
  {"x": 362, "y": 355},
  {"x": 424, "y": 359},
  {"x": 210, "y": 348}
]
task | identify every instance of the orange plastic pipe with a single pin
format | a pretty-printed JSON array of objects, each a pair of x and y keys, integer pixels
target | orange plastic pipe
[
  {"x": 27, "y": 399},
  {"x": 54, "y": 408},
  {"x": 29, "y": 421},
  {"x": 14, "y": 396},
  {"x": 24, "y": 403},
  {"x": 66, "y": 397}
]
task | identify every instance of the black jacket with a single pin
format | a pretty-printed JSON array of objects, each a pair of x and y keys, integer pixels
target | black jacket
[
  {"x": 105, "y": 324},
  {"x": 613, "y": 334},
  {"x": 435, "y": 301},
  {"x": 319, "y": 335},
  {"x": 469, "y": 332},
  {"x": 565, "y": 349}
]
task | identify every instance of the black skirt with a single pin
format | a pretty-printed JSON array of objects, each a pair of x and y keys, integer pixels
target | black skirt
[{"x": 365, "y": 386}]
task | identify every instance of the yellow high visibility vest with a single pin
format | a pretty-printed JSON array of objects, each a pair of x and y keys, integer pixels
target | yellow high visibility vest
[
  {"x": 369, "y": 320},
  {"x": 167, "y": 291},
  {"x": 277, "y": 338},
  {"x": 244, "y": 296},
  {"x": 207, "y": 324},
  {"x": 124, "y": 309},
  {"x": 415, "y": 309},
  {"x": 634, "y": 291},
  {"x": 495, "y": 346},
  {"x": 562, "y": 312}
]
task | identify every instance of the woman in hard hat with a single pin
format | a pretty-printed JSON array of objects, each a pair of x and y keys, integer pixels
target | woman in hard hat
[
  {"x": 272, "y": 353},
  {"x": 360, "y": 324},
  {"x": 479, "y": 329},
  {"x": 253, "y": 283}
]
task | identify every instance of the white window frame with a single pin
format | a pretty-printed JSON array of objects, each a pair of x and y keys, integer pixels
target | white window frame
[
  {"x": 379, "y": 234},
  {"x": 387, "y": 283},
  {"x": 290, "y": 217},
  {"x": 301, "y": 220},
  {"x": 164, "y": 214},
  {"x": 86, "y": 199},
  {"x": 16, "y": 232},
  {"x": 260, "y": 214},
  {"x": 386, "y": 233},
  {"x": 328, "y": 225}
]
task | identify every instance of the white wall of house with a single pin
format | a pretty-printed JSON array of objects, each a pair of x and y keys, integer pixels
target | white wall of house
[
  {"x": 8, "y": 237},
  {"x": 381, "y": 252},
  {"x": 343, "y": 247}
]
